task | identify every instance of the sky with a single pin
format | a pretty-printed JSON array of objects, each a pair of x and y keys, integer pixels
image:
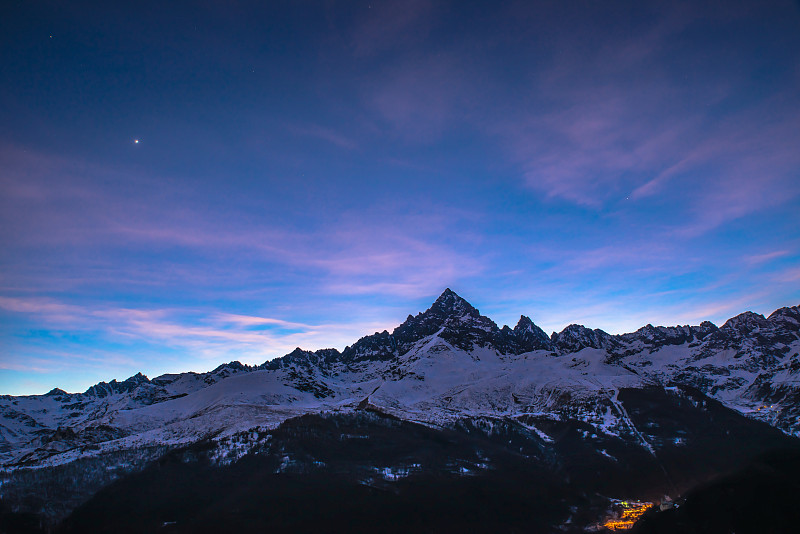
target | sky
[{"x": 184, "y": 184}]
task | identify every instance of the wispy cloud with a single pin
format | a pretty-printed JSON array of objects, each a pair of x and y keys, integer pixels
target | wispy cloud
[
  {"x": 419, "y": 100},
  {"x": 399, "y": 251},
  {"x": 758, "y": 259},
  {"x": 206, "y": 334},
  {"x": 329, "y": 135},
  {"x": 397, "y": 259},
  {"x": 616, "y": 122},
  {"x": 41, "y": 306},
  {"x": 787, "y": 276},
  {"x": 249, "y": 320}
]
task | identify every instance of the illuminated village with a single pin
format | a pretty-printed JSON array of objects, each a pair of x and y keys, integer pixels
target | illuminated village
[{"x": 624, "y": 515}]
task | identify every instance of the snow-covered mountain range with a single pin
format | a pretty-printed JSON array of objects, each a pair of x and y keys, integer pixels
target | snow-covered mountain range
[{"x": 438, "y": 367}]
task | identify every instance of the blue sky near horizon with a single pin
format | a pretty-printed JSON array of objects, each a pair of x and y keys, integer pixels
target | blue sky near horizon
[{"x": 307, "y": 173}]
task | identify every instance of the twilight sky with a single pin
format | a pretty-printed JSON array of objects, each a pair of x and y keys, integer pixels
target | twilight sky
[{"x": 307, "y": 172}]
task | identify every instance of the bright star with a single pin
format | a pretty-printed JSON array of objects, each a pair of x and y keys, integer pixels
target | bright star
[{"x": 136, "y": 141}]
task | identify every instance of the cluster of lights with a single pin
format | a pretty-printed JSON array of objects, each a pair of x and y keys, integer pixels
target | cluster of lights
[{"x": 631, "y": 511}]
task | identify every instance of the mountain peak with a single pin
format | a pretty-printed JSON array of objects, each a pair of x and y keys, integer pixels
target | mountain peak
[
  {"x": 746, "y": 322},
  {"x": 459, "y": 322},
  {"x": 450, "y": 304},
  {"x": 531, "y": 336},
  {"x": 138, "y": 378},
  {"x": 576, "y": 337},
  {"x": 447, "y": 293},
  {"x": 524, "y": 324}
]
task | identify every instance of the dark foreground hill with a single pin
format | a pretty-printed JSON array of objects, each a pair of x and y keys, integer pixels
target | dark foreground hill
[
  {"x": 760, "y": 498},
  {"x": 368, "y": 472}
]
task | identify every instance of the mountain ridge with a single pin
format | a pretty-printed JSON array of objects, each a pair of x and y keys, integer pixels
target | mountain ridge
[
  {"x": 657, "y": 396},
  {"x": 526, "y": 336},
  {"x": 444, "y": 362}
]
